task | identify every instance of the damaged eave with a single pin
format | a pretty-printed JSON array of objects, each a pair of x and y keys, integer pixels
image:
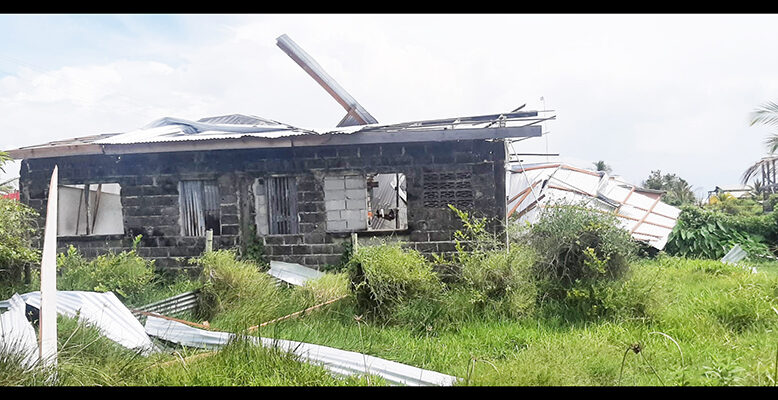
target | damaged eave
[
  {"x": 248, "y": 142},
  {"x": 55, "y": 151}
]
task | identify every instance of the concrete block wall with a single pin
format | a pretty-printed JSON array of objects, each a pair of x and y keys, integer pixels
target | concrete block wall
[
  {"x": 149, "y": 195},
  {"x": 345, "y": 199}
]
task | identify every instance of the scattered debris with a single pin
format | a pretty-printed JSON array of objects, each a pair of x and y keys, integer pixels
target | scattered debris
[
  {"x": 105, "y": 312},
  {"x": 338, "y": 361},
  {"x": 735, "y": 255},
  {"x": 174, "y": 305},
  {"x": 291, "y": 273},
  {"x": 17, "y": 336}
]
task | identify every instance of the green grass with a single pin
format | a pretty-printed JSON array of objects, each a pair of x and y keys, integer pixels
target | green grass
[
  {"x": 704, "y": 323},
  {"x": 721, "y": 318}
]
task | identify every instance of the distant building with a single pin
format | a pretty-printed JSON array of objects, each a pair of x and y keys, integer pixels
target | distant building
[{"x": 738, "y": 191}]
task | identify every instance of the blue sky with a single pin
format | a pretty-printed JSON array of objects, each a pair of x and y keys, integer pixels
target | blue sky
[{"x": 642, "y": 92}]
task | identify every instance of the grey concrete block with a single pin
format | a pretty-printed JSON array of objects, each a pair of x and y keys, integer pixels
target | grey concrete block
[
  {"x": 336, "y": 194},
  {"x": 355, "y": 182},
  {"x": 357, "y": 224},
  {"x": 333, "y": 215},
  {"x": 333, "y": 205},
  {"x": 356, "y": 194},
  {"x": 336, "y": 226},
  {"x": 334, "y": 183},
  {"x": 356, "y": 204}
]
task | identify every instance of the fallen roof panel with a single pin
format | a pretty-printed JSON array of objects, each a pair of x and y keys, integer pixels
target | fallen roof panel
[
  {"x": 17, "y": 336},
  {"x": 105, "y": 312},
  {"x": 338, "y": 361},
  {"x": 291, "y": 273}
]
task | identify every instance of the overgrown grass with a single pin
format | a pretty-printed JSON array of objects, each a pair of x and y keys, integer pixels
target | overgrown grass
[{"x": 703, "y": 324}]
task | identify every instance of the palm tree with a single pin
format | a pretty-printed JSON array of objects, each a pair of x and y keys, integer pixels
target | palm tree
[
  {"x": 601, "y": 166},
  {"x": 766, "y": 114}
]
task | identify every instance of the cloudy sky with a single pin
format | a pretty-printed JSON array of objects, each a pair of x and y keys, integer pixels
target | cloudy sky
[{"x": 641, "y": 92}]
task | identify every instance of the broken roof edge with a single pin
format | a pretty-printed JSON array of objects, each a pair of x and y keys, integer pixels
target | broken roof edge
[{"x": 249, "y": 142}]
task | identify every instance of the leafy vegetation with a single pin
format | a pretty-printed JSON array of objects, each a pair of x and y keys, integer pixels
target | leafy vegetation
[
  {"x": 729, "y": 204},
  {"x": 126, "y": 274},
  {"x": 702, "y": 233},
  {"x": 578, "y": 244},
  {"x": 16, "y": 230},
  {"x": 387, "y": 275}
]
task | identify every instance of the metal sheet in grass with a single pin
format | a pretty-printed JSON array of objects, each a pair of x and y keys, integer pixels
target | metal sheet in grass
[
  {"x": 338, "y": 361},
  {"x": 17, "y": 336},
  {"x": 291, "y": 273},
  {"x": 180, "y": 303},
  {"x": 105, "y": 312}
]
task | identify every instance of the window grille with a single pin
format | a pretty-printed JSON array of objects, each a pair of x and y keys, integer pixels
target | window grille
[
  {"x": 200, "y": 208},
  {"x": 443, "y": 188},
  {"x": 282, "y": 205}
]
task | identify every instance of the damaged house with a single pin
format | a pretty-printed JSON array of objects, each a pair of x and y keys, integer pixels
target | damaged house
[{"x": 301, "y": 192}]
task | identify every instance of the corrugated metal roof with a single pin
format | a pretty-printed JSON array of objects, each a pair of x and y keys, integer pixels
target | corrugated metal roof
[
  {"x": 338, "y": 361},
  {"x": 241, "y": 131},
  {"x": 641, "y": 212},
  {"x": 239, "y": 119}
]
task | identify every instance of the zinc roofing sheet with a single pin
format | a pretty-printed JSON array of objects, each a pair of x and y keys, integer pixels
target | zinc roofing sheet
[
  {"x": 17, "y": 336},
  {"x": 640, "y": 211},
  {"x": 102, "y": 310},
  {"x": 338, "y": 361}
]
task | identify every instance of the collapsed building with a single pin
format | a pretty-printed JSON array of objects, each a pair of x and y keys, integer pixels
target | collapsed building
[{"x": 532, "y": 187}]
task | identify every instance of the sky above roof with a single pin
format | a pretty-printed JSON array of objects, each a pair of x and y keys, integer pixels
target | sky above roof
[{"x": 641, "y": 92}]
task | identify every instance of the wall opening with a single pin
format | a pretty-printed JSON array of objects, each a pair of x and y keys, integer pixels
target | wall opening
[
  {"x": 387, "y": 201},
  {"x": 200, "y": 207},
  {"x": 89, "y": 209},
  {"x": 282, "y": 205}
]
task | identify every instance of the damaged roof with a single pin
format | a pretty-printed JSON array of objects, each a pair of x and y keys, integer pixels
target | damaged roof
[
  {"x": 640, "y": 211},
  {"x": 239, "y": 131}
]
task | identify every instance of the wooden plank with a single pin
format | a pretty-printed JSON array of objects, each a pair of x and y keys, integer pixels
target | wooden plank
[
  {"x": 526, "y": 193},
  {"x": 48, "y": 307},
  {"x": 645, "y": 216}
]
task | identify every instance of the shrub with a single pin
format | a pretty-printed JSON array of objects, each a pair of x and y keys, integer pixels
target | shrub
[
  {"x": 502, "y": 280},
  {"x": 386, "y": 275},
  {"x": 579, "y": 244},
  {"x": 125, "y": 273},
  {"x": 701, "y": 233},
  {"x": 17, "y": 225},
  {"x": 255, "y": 250},
  {"x": 328, "y": 287},
  {"x": 230, "y": 284}
]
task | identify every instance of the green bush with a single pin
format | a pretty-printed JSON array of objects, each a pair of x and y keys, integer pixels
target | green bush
[
  {"x": 502, "y": 280},
  {"x": 387, "y": 275},
  {"x": 579, "y": 244},
  {"x": 701, "y": 233},
  {"x": 233, "y": 285},
  {"x": 328, "y": 287},
  {"x": 17, "y": 225},
  {"x": 126, "y": 274}
]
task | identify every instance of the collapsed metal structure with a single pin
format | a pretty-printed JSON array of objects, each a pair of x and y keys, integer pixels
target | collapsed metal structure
[{"x": 640, "y": 211}]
